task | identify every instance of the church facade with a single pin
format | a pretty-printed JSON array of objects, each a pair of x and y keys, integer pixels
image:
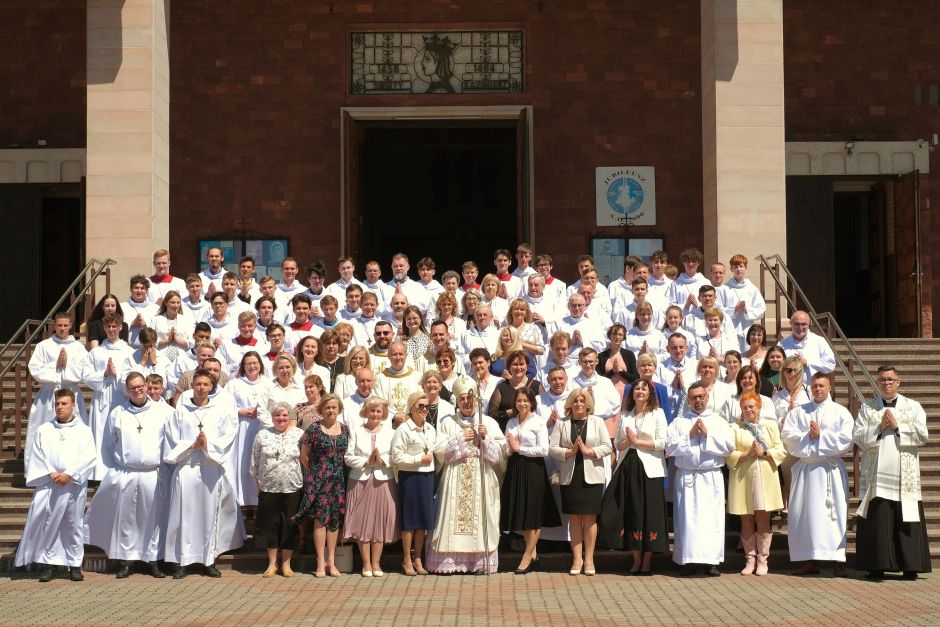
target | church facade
[{"x": 327, "y": 128}]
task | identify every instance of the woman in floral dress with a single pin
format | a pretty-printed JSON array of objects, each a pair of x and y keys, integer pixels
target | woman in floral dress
[{"x": 322, "y": 450}]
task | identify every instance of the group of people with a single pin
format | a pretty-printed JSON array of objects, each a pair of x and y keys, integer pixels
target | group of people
[{"x": 449, "y": 414}]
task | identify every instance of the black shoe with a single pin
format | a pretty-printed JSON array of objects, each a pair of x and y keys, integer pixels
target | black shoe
[
  {"x": 75, "y": 573},
  {"x": 124, "y": 571},
  {"x": 528, "y": 569},
  {"x": 713, "y": 572},
  {"x": 212, "y": 571},
  {"x": 47, "y": 574},
  {"x": 909, "y": 575},
  {"x": 644, "y": 573},
  {"x": 875, "y": 575},
  {"x": 689, "y": 570},
  {"x": 180, "y": 573},
  {"x": 155, "y": 571}
]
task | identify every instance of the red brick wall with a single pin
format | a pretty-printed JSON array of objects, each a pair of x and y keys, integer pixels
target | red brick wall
[
  {"x": 851, "y": 71},
  {"x": 257, "y": 87},
  {"x": 42, "y": 73}
]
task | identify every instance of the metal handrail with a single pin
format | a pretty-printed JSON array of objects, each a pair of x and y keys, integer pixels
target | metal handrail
[
  {"x": 81, "y": 289},
  {"x": 76, "y": 298},
  {"x": 815, "y": 318}
]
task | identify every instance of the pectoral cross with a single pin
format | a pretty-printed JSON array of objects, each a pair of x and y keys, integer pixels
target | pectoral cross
[
  {"x": 200, "y": 425},
  {"x": 277, "y": 455},
  {"x": 140, "y": 428}
]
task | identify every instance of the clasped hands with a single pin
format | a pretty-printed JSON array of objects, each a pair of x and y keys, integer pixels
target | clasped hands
[
  {"x": 756, "y": 450},
  {"x": 375, "y": 459},
  {"x": 60, "y": 478},
  {"x": 579, "y": 445},
  {"x": 888, "y": 421},
  {"x": 200, "y": 442},
  {"x": 698, "y": 428}
]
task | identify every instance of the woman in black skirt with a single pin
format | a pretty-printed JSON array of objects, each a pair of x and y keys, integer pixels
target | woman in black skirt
[
  {"x": 633, "y": 513},
  {"x": 526, "y": 502},
  {"x": 275, "y": 466},
  {"x": 580, "y": 443}
]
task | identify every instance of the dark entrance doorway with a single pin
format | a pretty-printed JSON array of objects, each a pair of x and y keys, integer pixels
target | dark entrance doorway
[
  {"x": 449, "y": 190},
  {"x": 42, "y": 248},
  {"x": 853, "y": 244}
]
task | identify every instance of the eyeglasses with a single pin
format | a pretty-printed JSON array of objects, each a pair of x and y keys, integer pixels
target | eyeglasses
[
  {"x": 791, "y": 370},
  {"x": 697, "y": 397},
  {"x": 421, "y": 406},
  {"x": 136, "y": 388},
  {"x": 888, "y": 381}
]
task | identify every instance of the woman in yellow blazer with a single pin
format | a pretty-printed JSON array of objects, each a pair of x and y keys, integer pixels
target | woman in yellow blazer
[
  {"x": 753, "y": 484},
  {"x": 579, "y": 443}
]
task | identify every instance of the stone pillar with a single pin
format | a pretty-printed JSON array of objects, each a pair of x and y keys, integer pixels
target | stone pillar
[
  {"x": 743, "y": 143},
  {"x": 128, "y": 157}
]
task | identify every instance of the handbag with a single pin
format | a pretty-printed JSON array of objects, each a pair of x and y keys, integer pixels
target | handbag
[{"x": 344, "y": 558}]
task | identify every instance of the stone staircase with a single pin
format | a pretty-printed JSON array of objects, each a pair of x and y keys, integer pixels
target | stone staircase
[
  {"x": 916, "y": 359},
  {"x": 918, "y": 363}
]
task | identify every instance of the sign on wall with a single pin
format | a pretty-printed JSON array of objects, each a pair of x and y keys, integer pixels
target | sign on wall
[
  {"x": 625, "y": 195},
  {"x": 436, "y": 62},
  {"x": 268, "y": 253}
]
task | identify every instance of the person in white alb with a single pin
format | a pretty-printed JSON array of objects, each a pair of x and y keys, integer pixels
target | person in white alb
[
  {"x": 699, "y": 440},
  {"x": 813, "y": 350},
  {"x": 818, "y": 434},
  {"x": 126, "y": 517},
  {"x": 56, "y": 363},
  {"x": 61, "y": 462}
]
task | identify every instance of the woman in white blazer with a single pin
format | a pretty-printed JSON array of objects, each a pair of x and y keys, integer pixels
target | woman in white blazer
[
  {"x": 413, "y": 462},
  {"x": 579, "y": 443},
  {"x": 633, "y": 514},
  {"x": 371, "y": 493}
]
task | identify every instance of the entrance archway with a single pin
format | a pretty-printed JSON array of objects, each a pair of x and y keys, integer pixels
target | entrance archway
[{"x": 451, "y": 183}]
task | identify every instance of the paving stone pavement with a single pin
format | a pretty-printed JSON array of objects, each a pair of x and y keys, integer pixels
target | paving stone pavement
[{"x": 539, "y": 598}]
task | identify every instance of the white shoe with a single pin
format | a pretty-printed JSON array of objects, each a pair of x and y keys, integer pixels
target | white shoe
[
  {"x": 367, "y": 573},
  {"x": 378, "y": 573}
]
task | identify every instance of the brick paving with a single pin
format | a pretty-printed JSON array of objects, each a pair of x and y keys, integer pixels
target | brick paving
[{"x": 537, "y": 599}]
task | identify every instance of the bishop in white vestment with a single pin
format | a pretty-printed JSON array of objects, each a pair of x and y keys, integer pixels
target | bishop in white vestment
[
  {"x": 470, "y": 448},
  {"x": 127, "y": 516},
  {"x": 699, "y": 440},
  {"x": 61, "y": 461},
  {"x": 204, "y": 519},
  {"x": 818, "y": 434}
]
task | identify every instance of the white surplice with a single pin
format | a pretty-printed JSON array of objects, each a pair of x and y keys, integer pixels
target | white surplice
[
  {"x": 819, "y": 489},
  {"x": 109, "y": 392},
  {"x": 468, "y": 497},
  {"x": 204, "y": 519},
  {"x": 890, "y": 460},
  {"x": 699, "y": 490},
  {"x": 247, "y": 394},
  {"x": 54, "y": 531},
  {"x": 43, "y": 369},
  {"x": 127, "y": 516}
]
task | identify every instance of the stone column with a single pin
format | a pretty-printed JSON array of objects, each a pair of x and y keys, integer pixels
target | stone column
[
  {"x": 127, "y": 186},
  {"x": 743, "y": 143}
]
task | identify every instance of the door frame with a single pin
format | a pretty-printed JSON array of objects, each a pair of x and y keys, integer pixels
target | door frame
[{"x": 350, "y": 116}]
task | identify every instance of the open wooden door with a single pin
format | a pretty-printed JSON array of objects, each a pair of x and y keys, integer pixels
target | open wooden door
[
  {"x": 523, "y": 228},
  {"x": 904, "y": 245},
  {"x": 876, "y": 255},
  {"x": 352, "y": 163}
]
